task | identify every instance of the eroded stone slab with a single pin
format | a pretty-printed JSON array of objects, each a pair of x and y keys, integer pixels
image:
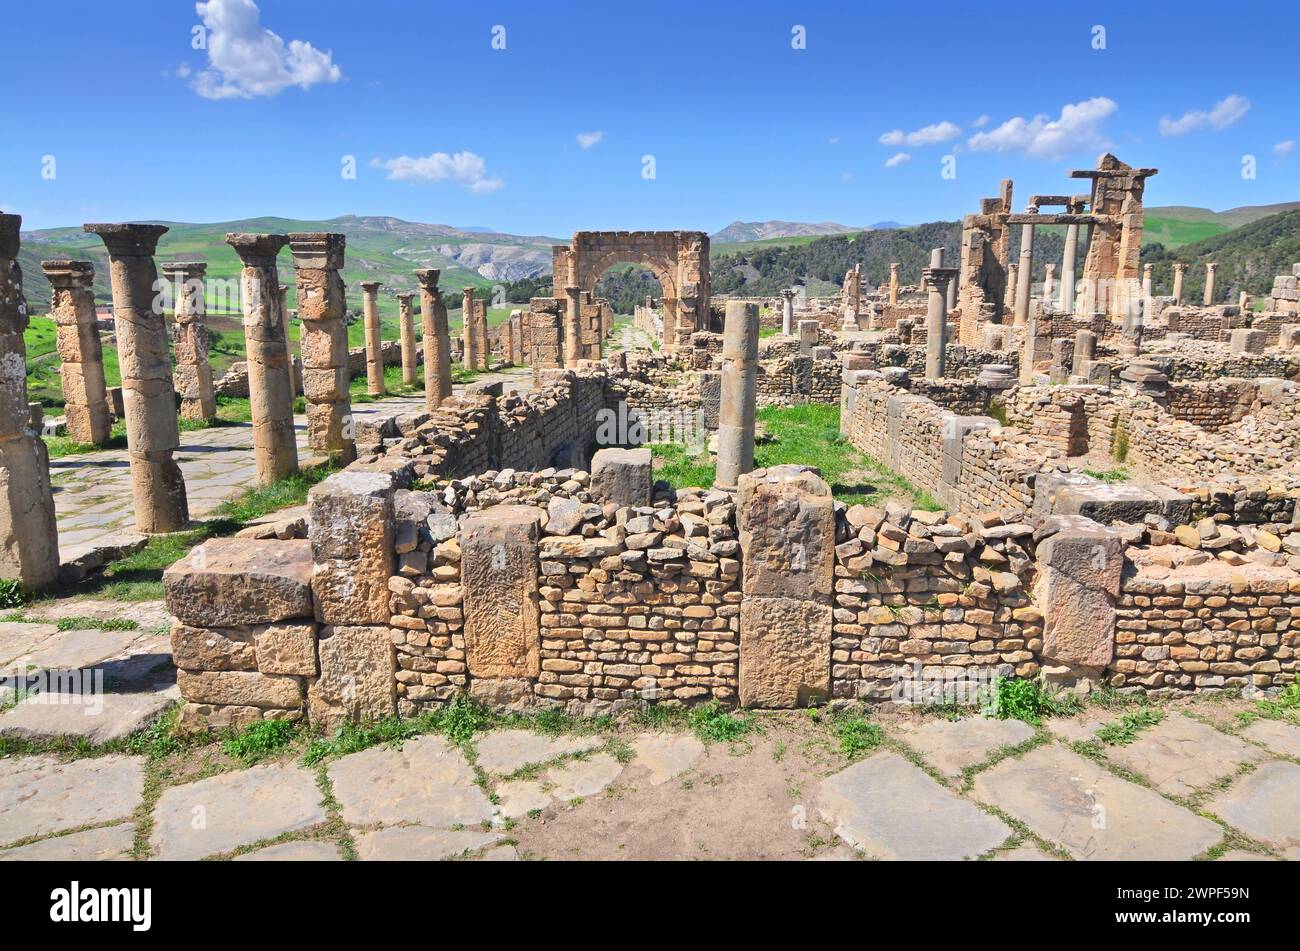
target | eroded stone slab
[
  {"x": 1263, "y": 804},
  {"x": 1277, "y": 736},
  {"x": 666, "y": 755},
  {"x": 111, "y": 716},
  {"x": 223, "y": 812},
  {"x": 1023, "y": 853},
  {"x": 522, "y": 796},
  {"x": 890, "y": 809},
  {"x": 1074, "y": 729},
  {"x": 583, "y": 778},
  {"x": 1179, "y": 755},
  {"x": 1077, "y": 804},
  {"x": 39, "y": 795},
  {"x": 302, "y": 850},
  {"x": 427, "y": 781},
  {"x": 507, "y": 751},
  {"x": 420, "y": 844},
  {"x": 109, "y": 843},
  {"x": 951, "y": 746}
]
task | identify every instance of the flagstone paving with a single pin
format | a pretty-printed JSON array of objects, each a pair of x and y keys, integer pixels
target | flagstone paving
[{"x": 971, "y": 788}]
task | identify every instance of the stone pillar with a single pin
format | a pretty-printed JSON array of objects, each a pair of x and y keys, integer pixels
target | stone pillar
[
  {"x": 1209, "y": 283},
  {"x": 1029, "y": 351},
  {"x": 481, "y": 333},
  {"x": 29, "y": 540},
  {"x": 810, "y": 335},
  {"x": 193, "y": 373},
  {"x": 787, "y": 311},
  {"x": 936, "y": 281},
  {"x": 437, "y": 341},
  {"x": 72, "y": 305},
  {"x": 786, "y": 517},
  {"x": 1085, "y": 351},
  {"x": 323, "y": 341},
  {"x": 295, "y": 366},
  {"x": 739, "y": 396},
  {"x": 270, "y": 375},
  {"x": 1049, "y": 272},
  {"x": 407, "y": 321},
  {"x": 1013, "y": 281},
  {"x": 572, "y": 327},
  {"x": 1130, "y": 341},
  {"x": 1179, "y": 270},
  {"x": 1067, "y": 268},
  {"x": 499, "y": 554},
  {"x": 468, "y": 330},
  {"x": 1243, "y": 302},
  {"x": 149, "y": 400},
  {"x": 1146, "y": 279},
  {"x": 1025, "y": 274},
  {"x": 893, "y": 282},
  {"x": 374, "y": 343},
  {"x": 1060, "y": 370},
  {"x": 507, "y": 343}
]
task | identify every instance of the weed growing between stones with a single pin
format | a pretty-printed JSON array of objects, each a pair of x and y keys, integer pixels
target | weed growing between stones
[
  {"x": 712, "y": 724},
  {"x": 85, "y": 623},
  {"x": 458, "y": 721},
  {"x": 1015, "y": 699},
  {"x": 1285, "y": 706},
  {"x": 856, "y": 734},
  {"x": 11, "y": 593},
  {"x": 1125, "y": 730},
  {"x": 258, "y": 740}
]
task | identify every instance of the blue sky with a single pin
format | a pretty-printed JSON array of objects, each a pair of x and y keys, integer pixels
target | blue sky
[{"x": 445, "y": 128}]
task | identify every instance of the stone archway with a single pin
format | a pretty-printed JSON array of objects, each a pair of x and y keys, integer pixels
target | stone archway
[{"x": 679, "y": 260}]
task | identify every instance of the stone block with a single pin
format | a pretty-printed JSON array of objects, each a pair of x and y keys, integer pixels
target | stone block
[
  {"x": 1080, "y": 567},
  {"x": 357, "y": 680},
  {"x": 228, "y": 582},
  {"x": 352, "y": 525},
  {"x": 786, "y": 518},
  {"x": 240, "y": 688},
  {"x": 286, "y": 649},
  {"x": 499, "y": 558},
  {"x": 785, "y": 648},
  {"x": 622, "y": 476}
]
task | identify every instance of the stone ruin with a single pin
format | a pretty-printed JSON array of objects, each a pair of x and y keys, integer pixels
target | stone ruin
[{"x": 1114, "y": 472}]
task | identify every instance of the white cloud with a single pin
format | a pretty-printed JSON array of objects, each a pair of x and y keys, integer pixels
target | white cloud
[
  {"x": 246, "y": 60},
  {"x": 982, "y": 121},
  {"x": 833, "y": 140},
  {"x": 897, "y": 159},
  {"x": 587, "y": 139},
  {"x": 1285, "y": 148},
  {"x": 464, "y": 168},
  {"x": 1226, "y": 112},
  {"x": 929, "y": 135},
  {"x": 1076, "y": 129}
]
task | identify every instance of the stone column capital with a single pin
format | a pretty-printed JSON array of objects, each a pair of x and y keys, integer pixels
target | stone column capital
[
  {"x": 257, "y": 250},
  {"x": 937, "y": 278},
  {"x": 428, "y": 277},
  {"x": 127, "y": 239},
  {"x": 184, "y": 270},
  {"x": 1180, "y": 267},
  {"x": 318, "y": 249},
  {"x": 405, "y": 296},
  {"x": 1210, "y": 266},
  {"x": 66, "y": 275},
  {"x": 371, "y": 287}
]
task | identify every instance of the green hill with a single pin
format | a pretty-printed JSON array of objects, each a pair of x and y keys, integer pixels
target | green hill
[
  {"x": 1249, "y": 258},
  {"x": 1175, "y": 232}
]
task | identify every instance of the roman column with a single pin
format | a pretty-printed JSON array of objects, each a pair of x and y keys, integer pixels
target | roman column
[
  {"x": 1067, "y": 268},
  {"x": 507, "y": 347},
  {"x": 468, "y": 330},
  {"x": 192, "y": 372},
  {"x": 1025, "y": 275},
  {"x": 1209, "y": 283},
  {"x": 787, "y": 311},
  {"x": 437, "y": 343},
  {"x": 517, "y": 337},
  {"x": 1009, "y": 294},
  {"x": 572, "y": 327},
  {"x": 1049, "y": 271},
  {"x": 374, "y": 345},
  {"x": 72, "y": 305},
  {"x": 407, "y": 321},
  {"x": 1146, "y": 279},
  {"x": 1179, "y": 270},
  {"x": 893, "y": 282},
  {"x": 148, "y": 397},
  {"x": 29, "y": 538},
  {"x": 323, "y": 341},
  {"x": 481, "y": 334},
  {"x": 738, "y": 404},
  {"x": 270, "y": 378},
  {"x": 936, "y": 281}
]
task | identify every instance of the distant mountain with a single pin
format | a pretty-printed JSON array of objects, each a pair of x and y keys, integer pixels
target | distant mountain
[
  {"x": 1249, "y": 257},
  {"x": 1232, "y": 218},
  {"x": 379, "y": 248},
  {"x": 742, "y": 231},
  {"x": 885, "y": 226}
]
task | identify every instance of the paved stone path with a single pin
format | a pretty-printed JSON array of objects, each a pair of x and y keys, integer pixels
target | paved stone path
[
  {"x": 935, "y": 790},
  {"x": 92, "y": 492}
]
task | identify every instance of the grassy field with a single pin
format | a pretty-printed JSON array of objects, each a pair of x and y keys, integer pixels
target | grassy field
[
  {"x": 1173, "y": 233},
  {"x": 806, "y": 435}
]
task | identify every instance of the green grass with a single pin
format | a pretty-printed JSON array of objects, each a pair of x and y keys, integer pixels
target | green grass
[
  {"x": 259, "y": 740},
  {"x": 856, "y": 734},
  {"x": 805, "y": 435},
  {"x": 1123, "y": 731},
  {"x": 1016, "y": 699},
  {"x": 712, "y": 724},
  {"x": 1285, "y": 706},
  {"x": 1174, "y": 233},
  {"x": 82, "y": 623},
  {"x": 1118, "y": 474},
  {"x": 12, "y": 594},
  {"x": 458, "y": 721}
]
